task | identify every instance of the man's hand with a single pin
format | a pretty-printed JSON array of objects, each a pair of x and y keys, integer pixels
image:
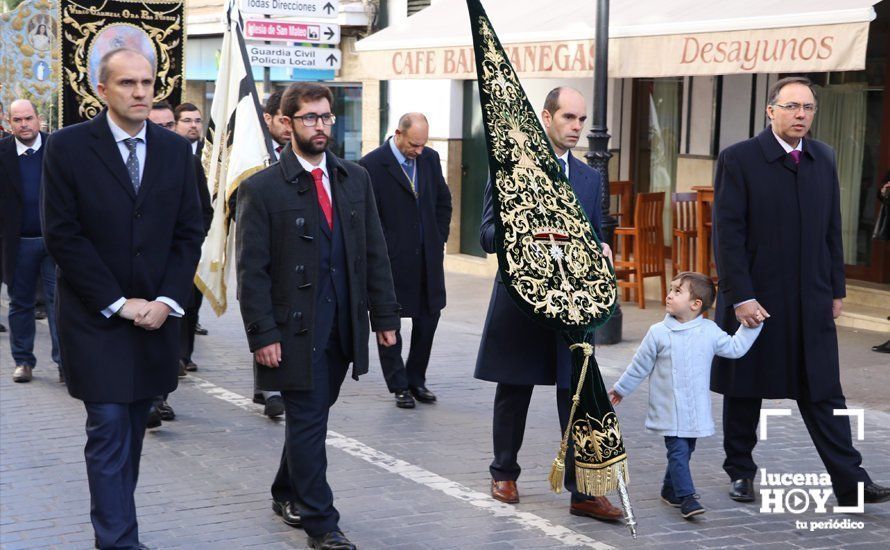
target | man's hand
[
  {"x": 751, "y": 314},
  {"x": 152, "y": 315},
  {"x": 131, "y": 307},
  {"x": 607, "y": 252},
  {"x": 837, "y": 306},
  {"x": 386, "y": 338},
  {"x": 614, "y": 397},
  {"x": 269, "y": 356}
]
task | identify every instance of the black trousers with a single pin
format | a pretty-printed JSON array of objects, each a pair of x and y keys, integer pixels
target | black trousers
[
  {"x": 508, "y": 429},
  {"x": 401, "y": 374},
  {"x": 302, "y": 473},
  {"x": 830, "y": 434},
  {"x": 189, "y": 322}
]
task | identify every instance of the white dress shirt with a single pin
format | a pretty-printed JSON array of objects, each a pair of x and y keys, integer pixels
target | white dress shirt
[
  {"x": 324, "y": 168},
  {"x": 20, "y": 147},
  {"x": 195, "y": 147},
  {"x": 119, "y": 136}
]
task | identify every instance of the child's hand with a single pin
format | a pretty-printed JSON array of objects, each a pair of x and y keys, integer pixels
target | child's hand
[{"x": 614, "y": 397}]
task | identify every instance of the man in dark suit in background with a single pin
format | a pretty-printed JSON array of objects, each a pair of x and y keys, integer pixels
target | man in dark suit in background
[
  {"x": 518, "y": 353},
  {"x": 122, "y": 220},
  {"x": 25, "y": 260},
  {"x": 415, "y": 211},
  {"x": 777, "y": 242},
  {"x": 312, "y": 265},
  {"x": 162, "y": 115}
]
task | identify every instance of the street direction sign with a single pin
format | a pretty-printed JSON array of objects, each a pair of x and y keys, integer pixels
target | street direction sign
[
  {"x": 294, "y": 8},
  {"x": 291, "y": 31},
  {"x": 295, "y": 57}
]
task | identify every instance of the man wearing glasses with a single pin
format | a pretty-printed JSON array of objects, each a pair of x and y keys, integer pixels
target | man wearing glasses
[
  {"x": 312, "y": 265},
  {"x": 777, "y": 242}
]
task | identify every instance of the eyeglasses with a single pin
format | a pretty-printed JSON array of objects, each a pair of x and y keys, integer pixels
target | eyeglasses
[
  {"x": 168, "y": 125},
  {"x": 311, "y": 119},
  {"x": 794, "y": 107}
]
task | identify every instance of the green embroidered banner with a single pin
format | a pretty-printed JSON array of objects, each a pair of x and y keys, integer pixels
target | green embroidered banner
[{"x": 550, "y": 260}]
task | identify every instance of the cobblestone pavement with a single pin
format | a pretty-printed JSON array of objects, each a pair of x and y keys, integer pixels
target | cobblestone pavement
[{"x": 406, "y": 478}]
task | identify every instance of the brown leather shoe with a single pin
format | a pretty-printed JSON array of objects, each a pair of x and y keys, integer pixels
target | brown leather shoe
[
  {"x": 505, "y": 491},
  {"x": 597, "y": 508}
]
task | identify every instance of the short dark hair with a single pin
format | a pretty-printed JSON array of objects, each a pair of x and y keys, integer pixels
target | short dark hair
[
  {"x": 273, "y": 103},
  {"x": 551, "y": 104},
  {"x": 701, "y": 287},
  {"x": 776, "y": 88},
  {"x": 162, "y": 106},
  {"x": 298, "y": 92},
  {"x": 184, "y": 108},
  {"x": 102, "y": 75}
]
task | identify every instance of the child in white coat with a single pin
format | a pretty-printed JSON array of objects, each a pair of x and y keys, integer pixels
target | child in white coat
[{"x": 676, "y": 356}]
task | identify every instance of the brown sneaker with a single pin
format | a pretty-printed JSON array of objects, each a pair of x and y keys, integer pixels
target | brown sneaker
[
  {"x": 597, "y": 508},
  {"x": 505, "y": 491},
  {"x": 22, "y": 373}
]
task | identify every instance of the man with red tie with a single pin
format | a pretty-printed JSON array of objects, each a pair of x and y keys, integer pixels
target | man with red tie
[{"x": 312, "y": 265}]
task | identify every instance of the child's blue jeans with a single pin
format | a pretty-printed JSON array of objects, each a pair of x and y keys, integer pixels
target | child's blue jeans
[{"x": 677, "y": 477}]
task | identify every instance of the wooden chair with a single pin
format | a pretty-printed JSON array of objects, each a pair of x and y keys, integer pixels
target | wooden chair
[
  {"x": 622, "y": 203},
  {"x": 683, "y": 206},
  {"x": 704, "y": 200},
  {"x": 647, "y": 259}
]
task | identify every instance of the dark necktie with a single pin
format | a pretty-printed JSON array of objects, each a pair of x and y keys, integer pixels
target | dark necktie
[
  {"x": 133, "y": 162},
  {"x": 323, "y": 199},
  {"x": 279, "y": 148},
  {"x": 795, "y": 156},
  {"x": 29, "y": 152},
  {"x": 562, "y": 166}
]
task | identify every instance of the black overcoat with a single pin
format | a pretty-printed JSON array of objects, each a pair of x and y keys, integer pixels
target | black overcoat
[
  {"x": 515, "y": 349},
  {"x": 11, "y": 204},
  {"x": 277, "y": 224},
  {"x": 403, "y": 218},
  {"x": 108, "y": 243},
  {"x": 777, "y": 239}
]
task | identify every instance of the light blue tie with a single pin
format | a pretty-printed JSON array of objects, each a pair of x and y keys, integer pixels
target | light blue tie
[
  {"x": 412, "y": 176},
  {"x": 133, "y": 162}
]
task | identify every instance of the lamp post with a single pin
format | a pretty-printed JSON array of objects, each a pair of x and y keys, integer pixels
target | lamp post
[{"x": 598, "y": 154}]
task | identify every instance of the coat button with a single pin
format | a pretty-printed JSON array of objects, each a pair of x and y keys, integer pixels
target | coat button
[
  {"x": 328, "y": 299},
  {"x": 137, "y": 215},
  {"x": 138, "y": 253},
  {"x": 333, "y": 269}
]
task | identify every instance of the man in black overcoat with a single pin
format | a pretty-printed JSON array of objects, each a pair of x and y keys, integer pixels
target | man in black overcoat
[
  {"x": 518, "y": 353},
  {"x": 122, "y": 221},
  {"x": 312, "y": 265},
  {"x": 415, "y": 211},
  {"x": 777, "y": 242}
]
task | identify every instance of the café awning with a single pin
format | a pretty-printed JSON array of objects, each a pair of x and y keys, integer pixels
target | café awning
[{"x": 648, "y": 38}]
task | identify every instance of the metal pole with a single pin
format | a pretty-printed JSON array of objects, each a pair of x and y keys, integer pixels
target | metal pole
[{"x": 598, "y": 154}]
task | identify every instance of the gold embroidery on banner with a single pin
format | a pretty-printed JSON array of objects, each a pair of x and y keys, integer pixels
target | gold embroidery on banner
[{"x": 549, "y": 244}]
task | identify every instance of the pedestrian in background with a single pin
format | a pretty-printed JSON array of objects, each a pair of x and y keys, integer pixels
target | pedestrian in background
[{"x": 415, "y": 211}]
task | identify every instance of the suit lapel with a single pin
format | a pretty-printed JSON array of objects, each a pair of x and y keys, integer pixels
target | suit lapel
[
  {"x": 154, "y": 155},
  {"x": 10, "y": 158},
  {"x": 108, "y": 152},
  {"x": 395, "y": 169}
]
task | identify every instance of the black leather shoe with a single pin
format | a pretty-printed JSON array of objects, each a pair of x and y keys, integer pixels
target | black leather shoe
[
  {"x": 190, "y": 365},
  {"x": 288, "y": 512},
  {"x": 742, "y": 490},
  {"x": 274, "y": 406},
  {"x": 883, "y": 348},
  {"x": 154, "y": 418},
  {"x": 165, "y": 411},
  {"x": 2, "y": 327},
  {"x": 335, "y": 540},
  {"x": 422, "y": 394},
  {"x": 875, "y": 494},
  {"x": 40, "y": 313},
  {"x": 182, "y": 372},
  {"x": 199, "y": 330},
  {"x": 404, "y": 399},
  {"x": 259, "y": 399}
]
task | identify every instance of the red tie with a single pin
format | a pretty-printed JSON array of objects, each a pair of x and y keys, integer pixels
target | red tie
[
  {"x": 323, "y": 200},
  {"x": 795, "y": 156},
  {"x": 279, "y": 148}
]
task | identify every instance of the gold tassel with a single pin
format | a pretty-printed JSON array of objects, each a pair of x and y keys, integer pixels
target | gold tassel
[
  {"x": 601, "y": 481},
  {"x": 559, "y": 463}
]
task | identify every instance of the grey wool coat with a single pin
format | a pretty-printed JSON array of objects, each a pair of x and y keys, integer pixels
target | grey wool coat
[{"x": 277, "y": 230}]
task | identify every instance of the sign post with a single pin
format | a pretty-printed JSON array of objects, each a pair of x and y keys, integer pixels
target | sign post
[{"x": 322, "y": 9}]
